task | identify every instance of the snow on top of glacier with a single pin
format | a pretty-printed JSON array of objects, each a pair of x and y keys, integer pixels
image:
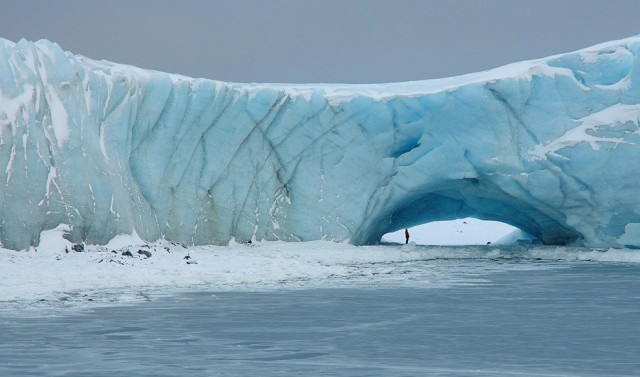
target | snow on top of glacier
[
  {"x": 337, "y": 92},
  {"x": 523, "y": 69}
]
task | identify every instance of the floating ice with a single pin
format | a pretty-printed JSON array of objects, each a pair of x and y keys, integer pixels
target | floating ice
[{"x": 549, "y": 146}]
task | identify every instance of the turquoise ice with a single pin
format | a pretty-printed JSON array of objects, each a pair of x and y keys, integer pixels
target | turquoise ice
[{"x": 549, "y": 146}]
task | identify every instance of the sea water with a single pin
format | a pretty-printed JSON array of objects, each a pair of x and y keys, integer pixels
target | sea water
[{"x": 484, "y": 316}]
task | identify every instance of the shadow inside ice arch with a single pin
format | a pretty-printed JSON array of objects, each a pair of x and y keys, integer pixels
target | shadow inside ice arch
[{"x": 467, "y": 231}]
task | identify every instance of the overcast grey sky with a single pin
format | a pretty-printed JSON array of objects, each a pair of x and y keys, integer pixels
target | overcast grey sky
[{"x": 349, "y": 41}]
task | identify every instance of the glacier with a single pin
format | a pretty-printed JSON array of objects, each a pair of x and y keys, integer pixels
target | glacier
[{"x": 99, "y": 149}]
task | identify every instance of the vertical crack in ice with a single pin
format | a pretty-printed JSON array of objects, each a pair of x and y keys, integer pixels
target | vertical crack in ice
[
  {"x": 513, "y": 114},
  {"x": 261, "y": 125}
]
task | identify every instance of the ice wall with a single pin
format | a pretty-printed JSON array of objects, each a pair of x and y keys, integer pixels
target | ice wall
[{"x": 549, "y": 146}]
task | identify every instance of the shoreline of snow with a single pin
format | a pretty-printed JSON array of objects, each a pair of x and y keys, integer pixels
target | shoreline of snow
[{"x": 49, "y": 274}]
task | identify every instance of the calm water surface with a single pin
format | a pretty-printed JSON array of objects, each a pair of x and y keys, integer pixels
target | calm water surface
[{"x": 578, "y": 319}]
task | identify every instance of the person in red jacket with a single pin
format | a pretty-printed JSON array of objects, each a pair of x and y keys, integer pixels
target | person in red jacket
[{"x": 406, "y": 236}]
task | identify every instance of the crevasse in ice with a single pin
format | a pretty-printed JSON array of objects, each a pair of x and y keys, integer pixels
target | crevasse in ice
[{"x": 549, "y": 146}]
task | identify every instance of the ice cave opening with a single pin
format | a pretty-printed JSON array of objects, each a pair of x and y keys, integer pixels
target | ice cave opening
[{"x": 465, "y": 231}]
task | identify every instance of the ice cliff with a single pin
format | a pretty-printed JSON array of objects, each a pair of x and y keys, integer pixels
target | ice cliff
[{"x": 549, "y": 146}]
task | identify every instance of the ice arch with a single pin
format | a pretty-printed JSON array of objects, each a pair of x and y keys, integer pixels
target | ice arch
[
  {"x": 544, "y": 145},
  {"x": 456, "y": 204}
]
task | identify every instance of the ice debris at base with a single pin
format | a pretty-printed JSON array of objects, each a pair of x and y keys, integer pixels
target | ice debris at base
[{"x": 101, "y": 149}]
